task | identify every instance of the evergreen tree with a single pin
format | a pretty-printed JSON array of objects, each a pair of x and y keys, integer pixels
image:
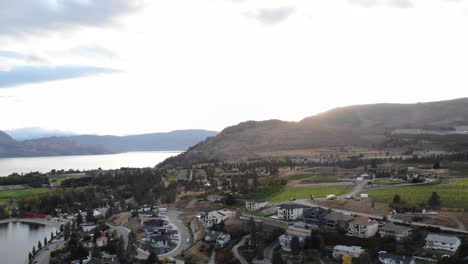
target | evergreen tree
[
  {"x": 295, "y": 245},
  {"x": 96, "y": 252},
  {"x": 277, "y": 259},
  {"x": 45, "y": 241},
  {"x": 152, "y": 258},
  {"x": 434, "y": 200},
  {"x": 79, "y": 219},
  {"x": 90, "y": 216},
  {"x": 39, "y": 245},
  {"x": 396, "y": 199},
  {"x": 131, "y": 250},
  {"x": 121, "y": 249}
]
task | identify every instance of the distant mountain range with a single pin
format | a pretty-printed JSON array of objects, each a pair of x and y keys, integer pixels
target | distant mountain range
[
  {"x": 28, "y": 133},
  {"x": 93, "y": 144},
  {"x": 360, "y": 125}
]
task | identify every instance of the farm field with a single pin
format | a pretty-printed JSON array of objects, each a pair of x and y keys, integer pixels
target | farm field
[
  {"x": 9, "y": 194},
  {"x": 280, "y": 193},
  {"x": 452, "y": 193}
]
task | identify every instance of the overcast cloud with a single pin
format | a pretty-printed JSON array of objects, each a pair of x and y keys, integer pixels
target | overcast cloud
[
  {"x": 129, "y": 66},
  {"x": 19, "y": 17}
]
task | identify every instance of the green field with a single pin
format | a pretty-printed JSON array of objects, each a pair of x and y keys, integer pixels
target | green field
[
  {"x": 452, "y": 194},
  {"x": 280, "y": 193},
  {"x": 311, "y": 178},
  {"x": 10, "y": 194},
  {"x": 386, "y": 181}
]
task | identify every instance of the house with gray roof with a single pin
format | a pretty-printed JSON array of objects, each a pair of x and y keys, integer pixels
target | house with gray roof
[
  {"x": 337, "y": 221},
  {"x": 442, "y": 242},
  {"x": 220, "y": 239},
  {"x": 398, "y": 232}
]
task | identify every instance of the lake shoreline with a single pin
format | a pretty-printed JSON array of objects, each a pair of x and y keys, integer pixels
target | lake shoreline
[
  {"x": 39, "y": 221},
  {"x": 140, "y": 159}
]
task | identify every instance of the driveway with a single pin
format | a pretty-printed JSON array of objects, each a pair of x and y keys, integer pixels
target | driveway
[{"x": 235, "y": 250}]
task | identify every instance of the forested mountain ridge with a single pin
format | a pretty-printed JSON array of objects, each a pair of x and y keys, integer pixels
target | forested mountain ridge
[
  {"x": 93, "y": 144},
  {"x": 359, "y": 125}
]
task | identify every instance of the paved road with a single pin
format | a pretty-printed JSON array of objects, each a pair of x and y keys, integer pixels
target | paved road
[
  {"x": 184, "y": 235},
  {"x": 235, "y": 250},
  {"x": 173, "y": 216},
  {"x": 43, "y": 256}
]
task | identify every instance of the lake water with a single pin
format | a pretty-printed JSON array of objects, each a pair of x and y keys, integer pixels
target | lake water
[
  {"x": 17, "y": 240},
  {"x": 86, "y": 162}
]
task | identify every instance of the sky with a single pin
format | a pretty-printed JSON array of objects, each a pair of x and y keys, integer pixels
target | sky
[{"x": 134, "y": 66}]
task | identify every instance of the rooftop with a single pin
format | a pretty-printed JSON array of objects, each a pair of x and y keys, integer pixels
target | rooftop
[
  {"x": 442, "y": 238},
  {"x": 362, "y": 220},
  {"x": 292, "y": 206},
  {"x": 391, "y": 227},
  {"x": 336, "y": 216},
  {"x": 396, "y": 258}
]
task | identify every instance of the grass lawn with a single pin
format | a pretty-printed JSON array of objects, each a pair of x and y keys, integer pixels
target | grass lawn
[
  {"x": 58, "y": 181},
  {"x": 280, "y": 193},
  {"x": 452, "y": 194},
  {"x": 311, "y": 178},
  {"x": 9, "y": 194},
  {"x": 386, "y": 181}
]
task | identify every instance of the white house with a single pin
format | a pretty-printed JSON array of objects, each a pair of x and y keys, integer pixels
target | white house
[
  {"x": 442, "y": 242},
  {"x": 285, "y": 241},
  {"x": 363, "y": 227},
  {"x": 255, "y": 205},
  {"x": 387, "y": 258},
  {"x": 290, "y": 211},
  {"x": 340, "y": 251},
  {"x": 215, "y": 217},
  {"x": 220, "y": 239}
]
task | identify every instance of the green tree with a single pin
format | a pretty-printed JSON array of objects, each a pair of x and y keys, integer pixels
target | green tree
[
  {"x": 96, "y": 252},
  {"x": 39, "y": 245},
  {"x": 436, "y": 165},
  {"x": 396, "y": 199},
  {"x": 79, "y": 219},
  {"x": 131, "y": 250},
  {"x": 230, "y": 200},
  {"x": 277, "y": 259},
  {"x": 121, "y": 249},
  {"x": 434, "y": 200},
  {"x": 152, "y": 258},
  {"x": 90, "y": 216},
  {"x": 295, "y": 245},
  {"x": 45, "y": 241}
]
